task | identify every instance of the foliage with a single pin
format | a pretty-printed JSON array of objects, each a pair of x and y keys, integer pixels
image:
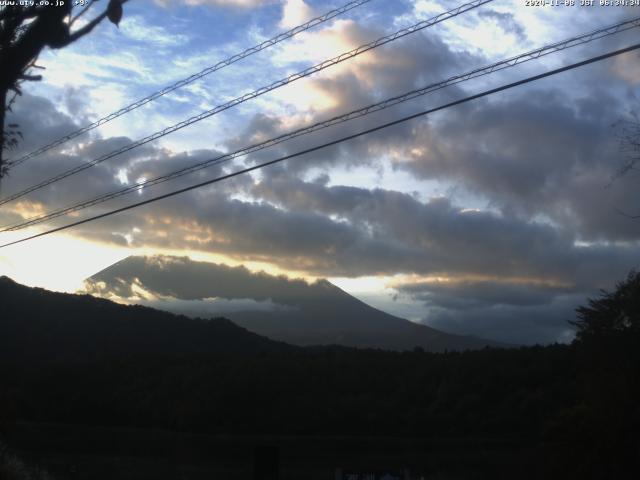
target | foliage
[
  {"x": 597, "y": 437},
  {"x": 614, "y": 313},
  {"x": 26, "y": 28}
]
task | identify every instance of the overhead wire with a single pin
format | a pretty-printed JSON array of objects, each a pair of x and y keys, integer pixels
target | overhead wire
[
  {"x": 387, "y": 103},
  {"x": 251, "y": 95},
  {"x": 192, "y": 78},
  {"x": 333, "y": 142}
]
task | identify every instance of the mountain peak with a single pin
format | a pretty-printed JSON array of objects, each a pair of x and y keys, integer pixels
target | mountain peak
[
  {"x": 6, "y": 280},
  {"x": 289, "y": 310}
]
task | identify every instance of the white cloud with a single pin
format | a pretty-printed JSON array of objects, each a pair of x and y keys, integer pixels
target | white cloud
[
  {"x": 319, "y": 45},
  {"x": 295, "y": 12},
  {"x": 138, "y": 29}
]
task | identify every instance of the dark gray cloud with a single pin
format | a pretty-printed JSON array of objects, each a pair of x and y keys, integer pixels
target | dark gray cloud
[
  {"x": 532, "y": 324},
  {"x": 465, "y": 295},
  {"x": 543, "y": 150},
  {"x": 182, "y": 278},
  {"x": 40, "y": 122},
  {"x": 145, "y": 162},
  {"x": 406, "y": 65},
  {"x": 445, "y": 238},
  {"x": 536, "y": 155},
  {"x": 510, "y": 312},
  {"x": 348, "y": 231}
]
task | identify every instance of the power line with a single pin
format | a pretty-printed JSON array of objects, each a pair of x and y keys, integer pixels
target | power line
[
  {"x": 196, "y": 76},
  {"x": 478, "y": 72},
  {"x": 256, "y": 93},
  {"x": 334, "y": 142}
]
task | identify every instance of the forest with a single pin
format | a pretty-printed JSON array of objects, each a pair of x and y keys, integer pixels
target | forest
[{"x": 575, "y": 407}]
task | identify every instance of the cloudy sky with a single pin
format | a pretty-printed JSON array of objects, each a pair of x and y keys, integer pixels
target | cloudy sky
[{"x": 495, "y": 218}]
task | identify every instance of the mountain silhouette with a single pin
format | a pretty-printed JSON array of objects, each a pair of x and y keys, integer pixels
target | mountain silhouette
[
  {"x": 282, "y": 309},
  {"x": 37, "y": 325}
]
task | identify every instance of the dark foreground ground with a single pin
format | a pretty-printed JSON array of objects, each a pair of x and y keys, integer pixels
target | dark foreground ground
[
  {"x": 554, "y": 412},
  {"x": 97, "y": 453}
]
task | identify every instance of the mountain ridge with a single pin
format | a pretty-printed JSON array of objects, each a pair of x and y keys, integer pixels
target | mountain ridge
[
  {"x": 40, "y": 325},
  {"x": 301, "y": 313}
]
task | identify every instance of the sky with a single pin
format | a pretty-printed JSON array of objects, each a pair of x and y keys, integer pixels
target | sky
[{"x": 495, "y": 218}]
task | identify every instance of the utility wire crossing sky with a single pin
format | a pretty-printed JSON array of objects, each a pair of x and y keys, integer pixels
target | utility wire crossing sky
[
  {"x": 252, "y": 95},
  {"x": 192, "y": 78},
  {"x": 335, "y": 142},
  {"x": 510, "y": 62}
]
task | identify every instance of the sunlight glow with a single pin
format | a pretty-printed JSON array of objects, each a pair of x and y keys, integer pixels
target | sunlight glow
[{"x": 57, "y": 262}]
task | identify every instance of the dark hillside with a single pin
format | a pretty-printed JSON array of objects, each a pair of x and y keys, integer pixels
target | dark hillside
[{"x": 39, "y": 325}]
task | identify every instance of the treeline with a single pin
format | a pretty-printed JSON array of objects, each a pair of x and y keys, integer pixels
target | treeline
[
  {"x": 315, "y": 391},
  {"x": 584, "y": 415}
]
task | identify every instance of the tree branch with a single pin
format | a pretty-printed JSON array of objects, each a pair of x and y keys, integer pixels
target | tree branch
[
  {"x": 88, "y": 27},
  {"x": 82, "y": 12},
  {"x": 626, "y": 214},
  {"x": 84, "y": 30},
  {"x": 20, "y": 14},
  {"x": 31, "y": 78}
]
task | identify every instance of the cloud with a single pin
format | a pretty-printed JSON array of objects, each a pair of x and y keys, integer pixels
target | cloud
[
  {"x": 445, "y": 238},
  {"x": 507, "y": 22},
  {"x": 357, "y": 84},
  {"x": 534, "y": 154},
  {"x": 137, "y": 28},
  {"x": 295, "y": 12},
  {"x": 470, "y": 294},
  {"x": 512, "y": 324},
  {"x": 185, "y": 279},
  {"x": 40, "y": 122},
  {"x": 347, "y": 231},
  {"x": 626, "y": 67},
  {"x": 558, "y": 146},
  {"x": 323, "y": 229}
]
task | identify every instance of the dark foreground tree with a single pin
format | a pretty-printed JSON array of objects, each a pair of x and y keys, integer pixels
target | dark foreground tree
[
  {"x": 24, "y": 32},
  {"x": 612, "y": 314},
  {"x": 597, "y": 438}
]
